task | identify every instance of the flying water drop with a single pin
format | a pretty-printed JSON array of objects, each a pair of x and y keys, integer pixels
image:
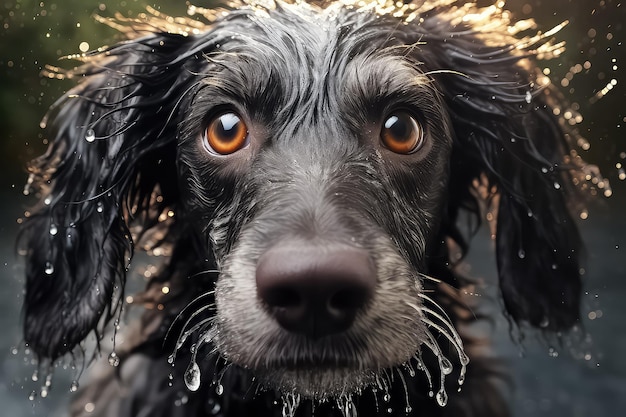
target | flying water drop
[
  {"x": 49, "y": 271},
  {"x": 53, "y": 229}
]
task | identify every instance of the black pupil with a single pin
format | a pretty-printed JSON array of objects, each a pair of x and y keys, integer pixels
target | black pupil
[
  {"x": 228, "y": 126},
  {"x": 399, "y": 128}
]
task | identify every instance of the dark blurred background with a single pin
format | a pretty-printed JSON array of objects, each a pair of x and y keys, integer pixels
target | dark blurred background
[{"x": 550, "y": 380}]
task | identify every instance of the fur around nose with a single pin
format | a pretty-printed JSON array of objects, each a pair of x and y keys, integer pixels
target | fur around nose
[{"x": 314, "y": 290}]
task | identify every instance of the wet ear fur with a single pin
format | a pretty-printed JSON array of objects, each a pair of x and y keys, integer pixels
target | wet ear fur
[
  {"x": 507, "y": 135},
  {"x": 110, "y": 154}
]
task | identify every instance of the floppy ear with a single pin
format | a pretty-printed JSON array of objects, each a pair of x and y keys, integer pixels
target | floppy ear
[
  {"x": 110, "y": 165},
  {"x": 504, "y": 117}
]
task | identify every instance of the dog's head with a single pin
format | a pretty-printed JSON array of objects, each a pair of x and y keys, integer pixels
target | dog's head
[{"x": 318, "y": 158}]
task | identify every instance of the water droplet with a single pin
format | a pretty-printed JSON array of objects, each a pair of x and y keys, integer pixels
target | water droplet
[
  {"x": 446, "y": 366},
  {"x": 48, "y": 382},
  {"x": 44, "y": 392},
  {"x": 99, "y": 207},
  {"x": 408, "y": 409},
  {"x": 53, "y": 229},
  {"x": 14, "y": 350},
  {"x": 219, "y": 389},
  {"x": 90, "y": 136},
  {"x": 114, "y": 360},
  {"x": 35, "y": 376},
  {"x": 48, "y": 270},
  {"x": 521, "y": 254},
  {"x": 386, "y": 397},
  {"x": 192, "y": 376},
  {"x": 170, "y": 359},
  {"x": 32, "y": 396},
  {"x": 528, "y": 97},
  {"x": 557, "y": 185},
  {"x": 47, "y": 201},
  {"x": 214, "y": 407},
  {"x": 390, "y": 410},
  {"x": 442, "y": 398},
  {"x": 74, "y": 386}
]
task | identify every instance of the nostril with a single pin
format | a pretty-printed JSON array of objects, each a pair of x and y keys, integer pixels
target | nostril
[
  {"x": 348, "y": 299},
  {"x": 282, "y": 297}
]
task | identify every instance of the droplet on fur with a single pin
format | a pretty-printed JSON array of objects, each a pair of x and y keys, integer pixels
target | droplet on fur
[
  {"x": 43, "y": 392},
  {"x": 192, "y": 376},
  {"x": 114, "y": 360},
  {"x": 219, "y": 389},
  {"x": 53, "y": 229},
  {"x": 521, "y": 254},
  {"x": 35, "y": 376},
  {"x": 32, "y": 396},
  {"x": 99, "y": 207},
  {"x": 49, "y": 270},
  {"x": 557, "y": 186},
  {"x": 528, "y": 97},
  {"x": 545, "y": 322},
  {"x": 74, "y": 386},
  {"x": 47, "y": 201},
  {"x": 90, "y": 136}
]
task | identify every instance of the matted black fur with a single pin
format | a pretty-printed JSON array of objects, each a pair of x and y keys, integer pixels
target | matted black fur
[{"x": 129, "y": 165}]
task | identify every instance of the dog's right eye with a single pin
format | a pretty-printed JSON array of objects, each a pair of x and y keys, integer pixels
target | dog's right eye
[
  {"x": 226, "y": 134},
  {"x": 401, "y": 133}
]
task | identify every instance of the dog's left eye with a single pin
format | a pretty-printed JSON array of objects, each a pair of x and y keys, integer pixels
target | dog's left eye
[
  {"x": 226, "y": 134},
  {"x": 401, "y": 133}
]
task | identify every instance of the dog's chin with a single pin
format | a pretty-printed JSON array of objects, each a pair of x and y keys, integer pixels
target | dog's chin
[
  {"x": 323, "y": 379},
  {"x": 316, "y": 383}
]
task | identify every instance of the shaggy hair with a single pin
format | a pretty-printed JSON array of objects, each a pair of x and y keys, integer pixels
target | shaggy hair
[{"x": 315, "y": 90}]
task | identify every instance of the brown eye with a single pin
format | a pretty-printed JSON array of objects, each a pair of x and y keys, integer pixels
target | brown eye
[
  {"x": 226, "y": 134},
  {"x": 401, "y": 133}
]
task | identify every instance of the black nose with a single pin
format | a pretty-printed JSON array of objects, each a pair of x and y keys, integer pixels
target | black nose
[{"x": 314, "y": 290}]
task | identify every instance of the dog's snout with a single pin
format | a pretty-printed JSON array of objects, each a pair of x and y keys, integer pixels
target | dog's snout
[{"x": 315, "y": 291}]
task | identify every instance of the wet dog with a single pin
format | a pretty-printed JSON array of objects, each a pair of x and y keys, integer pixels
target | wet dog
[{"x": 301, "y": 171}]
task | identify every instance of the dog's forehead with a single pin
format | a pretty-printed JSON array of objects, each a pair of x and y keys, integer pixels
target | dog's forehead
[{"x": 325, "y": 61}]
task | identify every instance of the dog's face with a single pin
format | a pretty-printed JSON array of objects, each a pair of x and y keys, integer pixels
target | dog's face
[
  {"x": 317, "y": 158},
  {"x": 315, "y": 154}
]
